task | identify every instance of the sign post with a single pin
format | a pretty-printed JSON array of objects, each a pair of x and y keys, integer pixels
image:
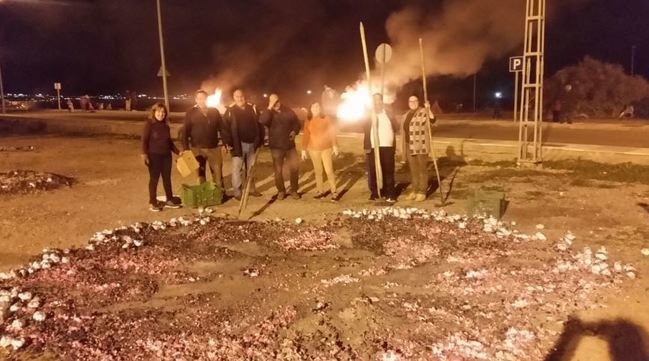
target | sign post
[
  {"x": 57, "y": 87},
  {"x": 516, "y": 67},
  {"x": 383, "y": 55}
]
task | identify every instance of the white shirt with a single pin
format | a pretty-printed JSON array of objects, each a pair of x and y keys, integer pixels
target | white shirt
[{"x": 386, "y": 133}]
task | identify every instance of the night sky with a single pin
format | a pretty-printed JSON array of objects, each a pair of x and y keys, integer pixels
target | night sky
[{"x": 109, "y": 46}]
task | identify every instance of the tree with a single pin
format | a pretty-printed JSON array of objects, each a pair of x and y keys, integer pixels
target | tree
[{"x": 595, "y": 89}]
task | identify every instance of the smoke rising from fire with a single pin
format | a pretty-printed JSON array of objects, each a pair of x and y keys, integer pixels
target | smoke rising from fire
[{"x": 459, "y": 37}]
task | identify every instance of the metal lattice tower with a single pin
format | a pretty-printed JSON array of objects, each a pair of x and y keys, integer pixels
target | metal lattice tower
[{"x": 530, "y": 131}]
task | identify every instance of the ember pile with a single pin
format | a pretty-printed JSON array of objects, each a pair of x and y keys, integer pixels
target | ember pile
[
  {"x": 380, "y": 284},
  {"x": 26, "y": 181}
]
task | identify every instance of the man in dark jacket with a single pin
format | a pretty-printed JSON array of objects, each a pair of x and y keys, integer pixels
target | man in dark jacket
[
  {"x": 242, "y": 134},
  {"x": 283, "y": 126},
  {"x": 387, "y": 129},
  {"x": 201, "y": 135}
]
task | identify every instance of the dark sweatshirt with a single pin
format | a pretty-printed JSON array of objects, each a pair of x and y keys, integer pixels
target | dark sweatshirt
[
  {"x": 202, "y": 131},
  {"x": 280, "y": 125},
  {"x": 156, "y": 138},
  {"x": 241, "y": 125}
]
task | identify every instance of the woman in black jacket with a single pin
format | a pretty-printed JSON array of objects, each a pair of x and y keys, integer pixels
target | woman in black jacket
[{"x": 157, "y": 147}]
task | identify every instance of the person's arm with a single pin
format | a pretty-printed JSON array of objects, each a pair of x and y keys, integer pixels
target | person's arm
[
  {"x": 431, "y": 117},
  {"x": 266, "y": 117},
  {"x": 306, "y": 135},
  {"x": 146, "y": 135},
  {"x": 188, "y": 130},
  {"x": 172, "y": 145},
  {"x": 226, "y": 128}
]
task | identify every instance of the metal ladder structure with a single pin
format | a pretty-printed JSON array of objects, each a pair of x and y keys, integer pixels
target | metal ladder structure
[{"x": 530, "y": 132}]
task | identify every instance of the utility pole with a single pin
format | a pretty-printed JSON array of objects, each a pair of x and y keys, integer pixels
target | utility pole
[
  {"x": 475, "y": 83},
  {"x": 2, "y": 93},
  {"x": 633, "y": 47},
  {"x": 162, "y": 57}
]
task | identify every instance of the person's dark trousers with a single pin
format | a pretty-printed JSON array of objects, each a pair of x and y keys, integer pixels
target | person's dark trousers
[
  {"x": 292, "y": 161},
  {"x": 386, "y": 156},
  {"x": 159, "y": 165}
]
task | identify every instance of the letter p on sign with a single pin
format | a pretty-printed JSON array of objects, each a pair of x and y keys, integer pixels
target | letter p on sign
[{"x": 515, "y": 64}]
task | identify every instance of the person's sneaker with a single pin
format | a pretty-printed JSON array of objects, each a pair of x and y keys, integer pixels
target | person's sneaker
[
  {"x": 420, "y": 197},
  {"x": 334, "y": 197},
  {"x": 281, "y": 195},
  {"x": 174, "y": 203},
  {"x": 154, "y": 207},
  {"x": 373, "y": 197},
  {"x": 391, "y": 200},
  {"x": 255, "y": 193},
  {"x": 295, "y": 195},
  {"x": 319, "y": 196}
]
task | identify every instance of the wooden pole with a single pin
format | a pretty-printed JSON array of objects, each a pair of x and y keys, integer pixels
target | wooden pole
[
  {"x": 430, "y": 131},
  {"x": 374, "y": 119},
  {"x": 249, "y": 178}
]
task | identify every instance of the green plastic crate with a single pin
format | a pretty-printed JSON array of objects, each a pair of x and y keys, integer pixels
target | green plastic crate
[
  {"x": 203, "y": 195},
  {"x": 487, "y": 202}
]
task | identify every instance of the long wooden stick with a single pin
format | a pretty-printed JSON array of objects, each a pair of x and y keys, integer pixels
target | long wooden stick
[
  {"x": 430, "y": 131},
  {"x": 375, "y": 119},
  {"x": 249, "y": 177}
]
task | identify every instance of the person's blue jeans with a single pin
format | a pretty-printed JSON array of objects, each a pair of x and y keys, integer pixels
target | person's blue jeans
[{"x": 238, "y": 173}]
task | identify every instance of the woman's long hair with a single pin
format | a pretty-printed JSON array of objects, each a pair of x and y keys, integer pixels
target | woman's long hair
[
  {"x": 154, "y": 108},
  {"x": 309, "y": 114}
]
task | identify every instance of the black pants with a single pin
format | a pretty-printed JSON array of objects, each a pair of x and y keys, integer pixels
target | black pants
[
  {"x": 159, "y": 165},
  {"x": 386, "y": 156},
  {"x": 293, "y": 162}
]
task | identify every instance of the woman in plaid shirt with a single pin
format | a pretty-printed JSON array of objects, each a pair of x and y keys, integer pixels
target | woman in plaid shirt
[{"x": 416, "y": 146}]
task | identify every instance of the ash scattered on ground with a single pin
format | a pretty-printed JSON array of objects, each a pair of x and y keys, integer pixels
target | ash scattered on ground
[{"x": 403, "y": 284}]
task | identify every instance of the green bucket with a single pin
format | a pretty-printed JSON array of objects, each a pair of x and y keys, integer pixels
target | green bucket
[{"x": 203, "y": 195}]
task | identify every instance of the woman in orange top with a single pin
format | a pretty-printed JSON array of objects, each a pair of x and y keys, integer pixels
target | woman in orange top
[{"x": 319, "y": 140}]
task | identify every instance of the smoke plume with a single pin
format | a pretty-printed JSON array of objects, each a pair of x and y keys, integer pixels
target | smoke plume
[{"x": 458, "y": 37}]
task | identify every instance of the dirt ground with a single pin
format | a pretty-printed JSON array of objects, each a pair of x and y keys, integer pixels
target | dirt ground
[{"x": 109, "y": 191}]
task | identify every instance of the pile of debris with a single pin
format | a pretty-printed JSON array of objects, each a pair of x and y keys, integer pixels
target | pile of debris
[{"x": 27, "y": 181}]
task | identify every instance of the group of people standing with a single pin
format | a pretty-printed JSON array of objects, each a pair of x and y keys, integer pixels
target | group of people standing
[{"x": 241, "y": 131}]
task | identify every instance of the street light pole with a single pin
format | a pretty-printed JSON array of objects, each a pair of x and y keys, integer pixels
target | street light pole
[
  {"x": 162, "y": 57},
  {"x": 2, "y": 93},
  {"x": 475, "y": 83},
  {"x": 633, "y": 60}
]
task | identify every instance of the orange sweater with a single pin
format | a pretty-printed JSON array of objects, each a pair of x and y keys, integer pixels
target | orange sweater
[{"x": 319, "y": 134}]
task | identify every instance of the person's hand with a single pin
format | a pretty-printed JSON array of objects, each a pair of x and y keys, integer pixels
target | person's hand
[
  {"x": 335, "y": 151},
  {"x": 427, "y": 104},
  {"x": 291, "y": 135},
  {"x": 272, "y": 100},
  {"x": 304, "y": 155},
  {"x": 145, "y": 159}
]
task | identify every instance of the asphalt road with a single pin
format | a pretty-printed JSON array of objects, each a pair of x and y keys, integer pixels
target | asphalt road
[{"x": 627, "y": 133}]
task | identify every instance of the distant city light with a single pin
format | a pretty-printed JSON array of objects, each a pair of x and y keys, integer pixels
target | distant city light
[
  {"x": 308, "y": 92},
  {"x": 498, "y": 95},
  {"x": 265, "y": 95}
]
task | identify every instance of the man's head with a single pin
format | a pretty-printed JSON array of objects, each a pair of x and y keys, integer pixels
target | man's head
[
  {"x": 239, "y": 98},
  {"x": 378, "y": 102},
  {"x": 273, "y": 101},
  {"x": 200, "y": 97},
  {"x": 413, "y": 102}
]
